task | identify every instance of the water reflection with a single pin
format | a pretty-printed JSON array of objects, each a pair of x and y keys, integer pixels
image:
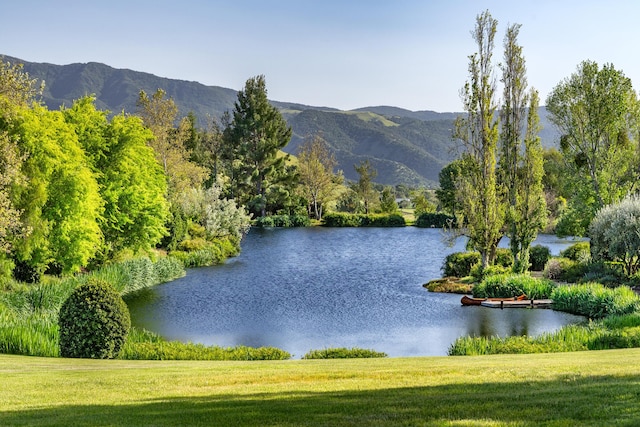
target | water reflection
[{"x": 313, "y": 288}]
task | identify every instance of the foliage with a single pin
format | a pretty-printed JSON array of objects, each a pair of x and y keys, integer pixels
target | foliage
[
  {"x": 144, "y": 345},
  {"x": 564, "y": 270},
  {"x": 93, "y": 321},
  {"x": 615, "y": 234},
  {"x": 283, "y": 221},
  {"x": 214, "y": 252},
  {"x": 579, "y": 252},
  {"x": 159, "y": 114},
  {"x": 459, "y": 264},
  {"x": 343, "y": 353},
  {"x": 538, "y": 257},
  {"x": 364, "y": 188},
  {"x": 512, "y": 285},
  {"x": 251, "y": 144},
  {"x": 219, "y": 216},
  {"x": 594, "y": 300},
  {"x": 448, "y": 285},
  {"x": 447, "y": 192},
  {"x": 435, "y": 220},
  {"x": 594, "y": 110},
  {"x": 341, "y": 219},
  {"x": 319, "y": 183},
  {"x": 132, "y": 183},
  {"x": 478, "y": 273},
  {"x": 60, "y": 200},
  {"x": 521, "y": 161},
  {"x": 478, "y": 132},
  {"x": 138, "y": 273}
]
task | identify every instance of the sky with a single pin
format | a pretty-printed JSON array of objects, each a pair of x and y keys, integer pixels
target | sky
[{"x": 343, "y": 54}]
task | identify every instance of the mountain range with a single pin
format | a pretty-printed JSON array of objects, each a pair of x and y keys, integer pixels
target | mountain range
[{"x": 405, "y": 147}]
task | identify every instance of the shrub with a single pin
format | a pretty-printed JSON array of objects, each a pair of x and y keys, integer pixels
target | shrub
[
  {"x": 459, "y": 264},
  {"x": 341, "y": 219},
  {"x": 615, "y": 234},
  {"x": 564, "y": 270},
  {"x": 435, "y": 220},
  {"x": 538, "y": 257},
  {"x": 579, "y": 252},
  {"x": 93, "y": 322},
  {"x": 343, "y": 353},
  {"x": 478, "y": 273},
  {"x": 504, "y": 257},
  {"x": 283, "y": 221}
]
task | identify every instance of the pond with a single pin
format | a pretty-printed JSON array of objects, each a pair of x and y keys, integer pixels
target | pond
[{"x": 313, "y": 288}]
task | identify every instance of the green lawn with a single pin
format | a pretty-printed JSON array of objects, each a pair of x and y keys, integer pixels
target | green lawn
[{"x": 563, "y": 389}]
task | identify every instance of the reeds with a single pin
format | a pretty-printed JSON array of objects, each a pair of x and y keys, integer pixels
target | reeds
[
  {"x": 145, "y": 345},
  {"x": 594, "y": 300},
  {"x": 511, "y": 285}
]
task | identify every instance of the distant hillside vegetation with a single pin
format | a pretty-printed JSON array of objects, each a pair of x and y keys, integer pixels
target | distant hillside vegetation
[{"x": 406, "y": 147}]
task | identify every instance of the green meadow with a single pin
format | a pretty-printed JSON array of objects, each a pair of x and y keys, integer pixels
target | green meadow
[{"x": 561, "y": 389}]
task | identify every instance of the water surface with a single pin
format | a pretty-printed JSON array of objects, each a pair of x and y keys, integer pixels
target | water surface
[{"x": 313, "y": 288}]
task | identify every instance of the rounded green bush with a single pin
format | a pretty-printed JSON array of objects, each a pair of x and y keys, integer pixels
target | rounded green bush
[
  {"x": 459, "y": 264},
  {"x": 94, "y": 322},
  {"x": 538, "y": 257}
]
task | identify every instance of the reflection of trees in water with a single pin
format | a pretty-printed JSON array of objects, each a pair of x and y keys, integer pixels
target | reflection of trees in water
[{"x": 488, "y": 322}]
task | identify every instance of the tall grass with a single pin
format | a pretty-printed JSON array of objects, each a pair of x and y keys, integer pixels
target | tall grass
[
  {"x": 594, "y": 300},
  {"x": 29, "y": 335},
  {"x": 145, "y": 345},
  {"x": 511, "y": 285},
  {"x": 29, "y": 312},
  {"x": 135, "y": 274}
]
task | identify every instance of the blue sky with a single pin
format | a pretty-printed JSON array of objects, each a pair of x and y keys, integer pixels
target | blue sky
[{"x": 343, "y": 54}]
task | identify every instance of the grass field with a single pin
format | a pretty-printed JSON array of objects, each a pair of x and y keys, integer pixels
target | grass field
[{"x": 561, "y": 389}]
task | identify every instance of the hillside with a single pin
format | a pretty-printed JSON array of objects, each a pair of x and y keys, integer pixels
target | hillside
[{"x": 406, "y": 147}]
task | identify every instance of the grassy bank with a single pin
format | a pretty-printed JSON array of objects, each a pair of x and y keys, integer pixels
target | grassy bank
[{"x": 561, "y": 389}]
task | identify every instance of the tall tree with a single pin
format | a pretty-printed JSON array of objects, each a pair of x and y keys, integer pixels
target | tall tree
[
  {"x": 16, "y": 90},
  {"x": 364, "y": 186},
  {"x": 520, "y": 166},
  {"x": 160, "y": 115},
  {"x": 528, "y": 214},
  {"x": 593, "y": 110},
  {"x": 255, "y": 135},
  {"x": 61, "y": 202},
  {"x": 478, "y": 131},
  {"x": 447, "y": 192},
  {"x": 132, "y": 184},
  {"x": 315, "y": 165}
]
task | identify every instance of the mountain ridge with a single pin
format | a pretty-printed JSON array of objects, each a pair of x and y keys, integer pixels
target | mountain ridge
[{"x": 406, "y": 147}]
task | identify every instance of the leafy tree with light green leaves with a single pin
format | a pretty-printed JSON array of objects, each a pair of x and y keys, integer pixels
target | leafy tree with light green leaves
[
  {"x": 364, "y": 188},
  {"x": 134, "y": 188},
  {"x": 388, "y": 202},
  {"x": 170, "y": 142},
  {"x": 17, "y": 90},
  {"x": 251, "y": 143},
  {"x": 478, "y": 187},
  {"x": 447, "y": 192},
  {"x": 60, "y": 202},
  {"x": 132, "y": 183},
  {"x": 594, "y": 110},
  {"x": 318, "y": 181}
]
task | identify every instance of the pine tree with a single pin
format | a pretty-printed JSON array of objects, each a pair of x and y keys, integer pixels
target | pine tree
[{"x": 251, "y": 146}]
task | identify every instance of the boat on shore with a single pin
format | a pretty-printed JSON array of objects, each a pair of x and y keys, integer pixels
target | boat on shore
[{"x": 478, "y": 301}]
